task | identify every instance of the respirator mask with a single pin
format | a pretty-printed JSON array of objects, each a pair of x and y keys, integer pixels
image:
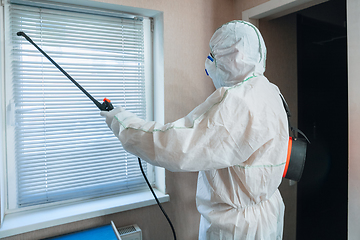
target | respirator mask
[{"x": 210, "y": 69}]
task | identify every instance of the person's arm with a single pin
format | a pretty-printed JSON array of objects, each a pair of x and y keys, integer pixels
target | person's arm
[{"x": 216, "y": 134}]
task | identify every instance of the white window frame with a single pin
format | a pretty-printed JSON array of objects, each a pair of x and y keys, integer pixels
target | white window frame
[{"x": 17, "y": 222}]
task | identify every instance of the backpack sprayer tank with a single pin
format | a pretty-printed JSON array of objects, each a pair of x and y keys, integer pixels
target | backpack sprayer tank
[{"x": 296, "y": 155}]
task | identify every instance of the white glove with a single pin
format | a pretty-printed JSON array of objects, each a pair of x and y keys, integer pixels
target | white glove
[{"x": 110, "y": 115}]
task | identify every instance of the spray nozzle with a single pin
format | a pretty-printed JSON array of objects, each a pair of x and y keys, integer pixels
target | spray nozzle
[{"x": 106, "y": 105}]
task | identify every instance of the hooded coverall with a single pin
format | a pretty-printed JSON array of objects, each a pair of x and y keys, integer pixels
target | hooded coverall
[{"x": 237, "y": 139}]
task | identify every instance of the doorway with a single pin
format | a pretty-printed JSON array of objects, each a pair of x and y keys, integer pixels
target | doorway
[{"x": 323, "y": 116}]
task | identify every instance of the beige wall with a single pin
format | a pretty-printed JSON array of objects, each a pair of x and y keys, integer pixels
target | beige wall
[
  {"x": 188, "y": 26},
  {"x": 281, "y": 69},
  {"x": 242, "y": 5},
  {"x": 353, "y": 23}
]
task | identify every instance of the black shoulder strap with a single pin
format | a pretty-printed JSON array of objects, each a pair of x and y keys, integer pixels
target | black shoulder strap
[{"x": 294, "y": 130}]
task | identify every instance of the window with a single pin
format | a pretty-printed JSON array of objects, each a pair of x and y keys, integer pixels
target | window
[{"x": 58, "y": 147}]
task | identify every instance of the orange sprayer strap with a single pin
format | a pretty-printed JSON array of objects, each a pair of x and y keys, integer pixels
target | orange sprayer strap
[{"x": 288, "y": 156}]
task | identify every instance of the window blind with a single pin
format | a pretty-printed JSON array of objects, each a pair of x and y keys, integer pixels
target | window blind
[{"x": 63, "y": 149}]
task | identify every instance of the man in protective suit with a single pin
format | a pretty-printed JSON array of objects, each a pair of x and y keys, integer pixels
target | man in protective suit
[{"x": 237, "y": 139}]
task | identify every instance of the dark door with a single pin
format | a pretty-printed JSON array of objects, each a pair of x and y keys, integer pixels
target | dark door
[{"x": 323, "y": 117}]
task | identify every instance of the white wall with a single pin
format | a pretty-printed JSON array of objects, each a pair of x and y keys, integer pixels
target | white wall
[{"x": 353, "y": 23}]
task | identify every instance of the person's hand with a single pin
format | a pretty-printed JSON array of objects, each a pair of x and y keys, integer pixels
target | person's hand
[{"x": 110, "y": 115}]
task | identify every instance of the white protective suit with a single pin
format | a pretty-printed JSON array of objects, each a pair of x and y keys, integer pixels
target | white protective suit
[{"x": 237, "y": 139}]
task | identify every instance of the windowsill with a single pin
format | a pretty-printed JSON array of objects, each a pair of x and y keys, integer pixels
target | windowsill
[{"x": 21, "y": 222}]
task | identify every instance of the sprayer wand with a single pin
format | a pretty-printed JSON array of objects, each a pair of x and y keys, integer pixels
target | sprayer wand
[{"x": 105, "y": 106}]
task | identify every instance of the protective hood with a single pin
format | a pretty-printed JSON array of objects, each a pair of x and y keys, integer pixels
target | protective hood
[{"x": 237, "y": 52}]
